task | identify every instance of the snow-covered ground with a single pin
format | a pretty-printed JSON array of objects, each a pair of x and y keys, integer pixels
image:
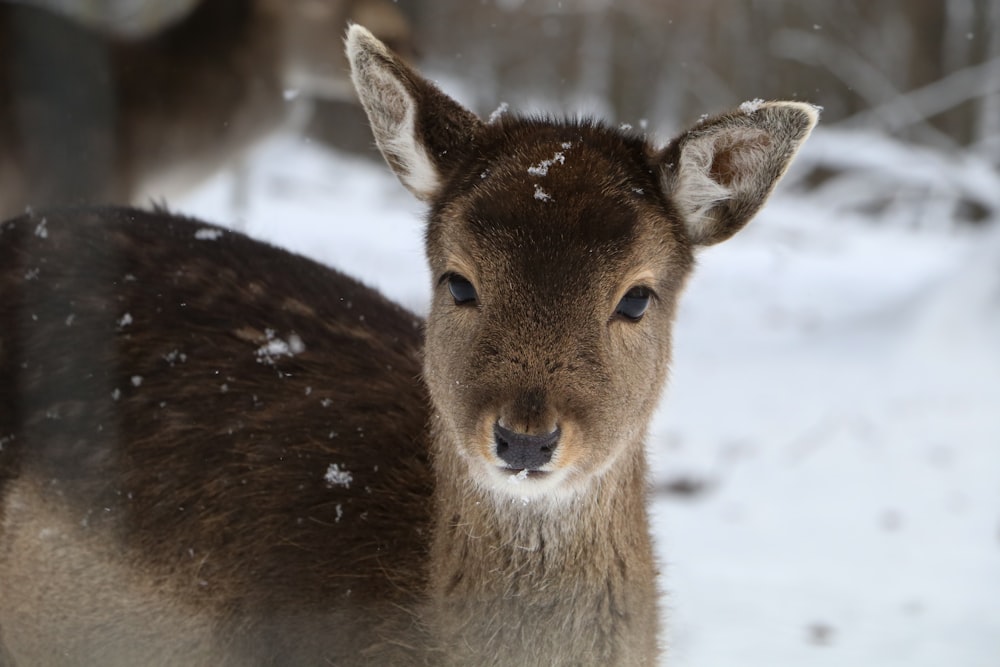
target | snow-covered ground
[{"x": 827, "y": 459}]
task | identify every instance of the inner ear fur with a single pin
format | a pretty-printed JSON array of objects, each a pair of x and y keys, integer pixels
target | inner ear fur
[
  {"x": 719, "y": 173},
  {"x": 421, "y": 132}
]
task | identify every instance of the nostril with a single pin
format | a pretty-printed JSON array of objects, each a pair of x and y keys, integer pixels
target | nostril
[{"x": 525, "y": 451}]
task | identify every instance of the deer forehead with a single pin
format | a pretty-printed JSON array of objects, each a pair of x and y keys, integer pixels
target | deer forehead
[
  {"x": 566, "y": 202},
  {"x": 577, "y": 158}
]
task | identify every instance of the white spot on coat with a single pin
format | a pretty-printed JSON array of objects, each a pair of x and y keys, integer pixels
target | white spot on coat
[{"x": 336, "y": 476}]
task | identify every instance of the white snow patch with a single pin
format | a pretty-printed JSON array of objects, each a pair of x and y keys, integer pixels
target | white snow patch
[
  {"x": 124, "y": 320},
  {"x": 518, "y": 477},
  {"x": 136, "y": 380},
  {"x": 208, "y": 234},
  {"x": 41, "y": 231},
  {"x": 542, "y": 168},
  {"x": 337, "y": 476},
  {"x": 278, "y": 347},
  {"x": 116, "y": 394},
  {"x": 498, "y": 112},
  {"x": 542, "y": 195},
  {"x": 174, "y": 356},
  {"x": 752, "y": 106}
]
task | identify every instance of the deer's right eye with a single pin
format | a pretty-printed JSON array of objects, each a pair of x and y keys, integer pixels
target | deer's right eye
[{"x": 462, "y": 291}]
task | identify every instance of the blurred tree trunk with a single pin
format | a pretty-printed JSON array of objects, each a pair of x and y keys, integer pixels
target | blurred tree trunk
[{"x": 988, "y": 119}]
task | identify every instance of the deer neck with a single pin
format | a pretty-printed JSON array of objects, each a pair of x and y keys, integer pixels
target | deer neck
[{"x": 544, "y": 572}]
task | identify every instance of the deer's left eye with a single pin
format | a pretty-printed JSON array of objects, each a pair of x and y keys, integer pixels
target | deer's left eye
[
  {"x": 634, "y": 304},
  {"x": 462, "y": 290}
]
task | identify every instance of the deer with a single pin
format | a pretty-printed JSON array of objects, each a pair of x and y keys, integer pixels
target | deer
[
  {"x": 216, "y": 452},
  {"x": 91, "y": 113}
]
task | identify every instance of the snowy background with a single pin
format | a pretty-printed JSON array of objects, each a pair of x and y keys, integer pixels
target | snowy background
[{"x": 827, "y": 460}]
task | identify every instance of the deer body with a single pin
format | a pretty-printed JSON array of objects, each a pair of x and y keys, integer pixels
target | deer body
[
  {"x": 259, "y": 461},
  {"x": 227, "y": 532}
]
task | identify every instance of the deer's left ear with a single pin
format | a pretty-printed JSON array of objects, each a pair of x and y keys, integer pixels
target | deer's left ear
[{"x": 719, "y": 173}]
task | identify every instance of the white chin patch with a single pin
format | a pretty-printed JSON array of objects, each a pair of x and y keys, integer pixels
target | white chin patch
[{"x": 525, "y": 486}]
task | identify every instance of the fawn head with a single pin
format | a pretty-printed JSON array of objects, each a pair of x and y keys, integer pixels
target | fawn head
[{"x": 558, "y": 250}]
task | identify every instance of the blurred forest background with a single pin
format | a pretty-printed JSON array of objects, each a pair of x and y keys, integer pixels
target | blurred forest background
[
  {"x": 923, "y": 72},
  {"x": 126, "y": 93}
]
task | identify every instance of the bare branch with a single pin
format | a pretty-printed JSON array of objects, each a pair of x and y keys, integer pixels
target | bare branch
[
  {"x": 864, "y": 79},
  {"x": 964, "y": 85}
]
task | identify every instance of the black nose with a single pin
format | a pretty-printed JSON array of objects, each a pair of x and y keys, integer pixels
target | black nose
[{"x": 522, "y": 451}]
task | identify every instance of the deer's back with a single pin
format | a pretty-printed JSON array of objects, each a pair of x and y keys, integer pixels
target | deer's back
[{"x": 221, "y": 429}]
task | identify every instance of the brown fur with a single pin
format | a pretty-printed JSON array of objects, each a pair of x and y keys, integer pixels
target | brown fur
[
  {"x": 204, "y": 483},
  {"x": 184, "y": 518}
]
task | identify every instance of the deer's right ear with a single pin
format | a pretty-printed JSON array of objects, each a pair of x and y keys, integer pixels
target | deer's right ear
[
  {"x": 421, "y": 132},
  {"x": 719, "y": 173}
]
